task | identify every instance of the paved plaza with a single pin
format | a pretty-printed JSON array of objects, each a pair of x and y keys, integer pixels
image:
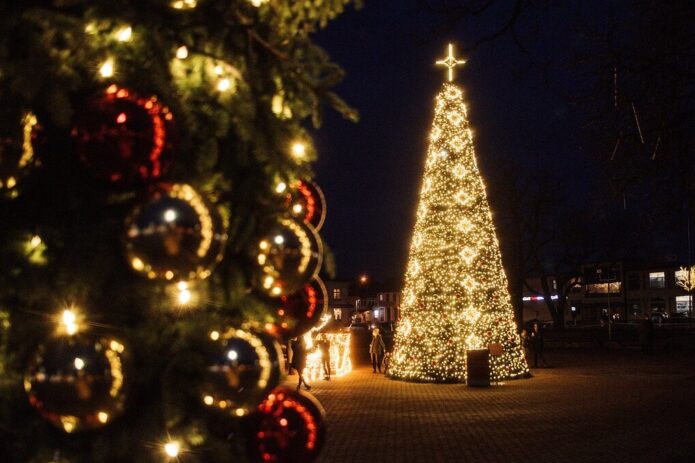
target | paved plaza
[{"x": 587, "y": 407}]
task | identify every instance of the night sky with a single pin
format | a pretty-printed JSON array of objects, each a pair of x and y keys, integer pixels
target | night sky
[{"x": 370, "y": 171}]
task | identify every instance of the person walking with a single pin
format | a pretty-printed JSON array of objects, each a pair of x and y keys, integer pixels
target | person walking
[
  {"x": 536, "y": 341},
  {"x": 376, "y": 350},
  {"x": 299, "y": 360}
]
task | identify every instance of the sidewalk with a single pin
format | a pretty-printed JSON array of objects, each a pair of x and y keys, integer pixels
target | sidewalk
[{"x": 589, "y": 408}]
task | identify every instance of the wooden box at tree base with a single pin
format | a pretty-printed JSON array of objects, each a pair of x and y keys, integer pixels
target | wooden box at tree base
[{"x": 478, "y": 366}]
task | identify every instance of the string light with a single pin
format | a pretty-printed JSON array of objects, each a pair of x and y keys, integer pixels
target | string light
[
  {"x": 281, "y": 187},
  {"x": 258, "y": 3},
  {"x": 455, "y": 297},
  {"x": 184, "y": 4},
  {"x": 124, "y": 34},
  {"x": 172, "y": 449},
  {"x": 339, "y": 352},
  {"x": 106, "y": 69},
  {"x": 68, "y": 322},
  {"x": 298, "y": 150},
  {"x": 184, "y": 295},
  {"x": 182, "y": 52},
  {"x": 224, "y": 84}
]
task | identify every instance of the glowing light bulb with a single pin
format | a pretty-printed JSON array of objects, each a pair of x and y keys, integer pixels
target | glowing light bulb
[
  {"x": 107, "y": 68},
  {"x": 185, "y": 296},
  {"x": 79, "y": 363},
  {"x": 184, "y": 4},
  {"x": 232, "y": 355},
  {"x": 279, "y": 239},
  {"x": 172, "y": 449},
  {"x": 69, "y": 322},
  {"x": 298, "y": 150},
  {"x": 281, "y": 187},
  {"x": 224, "y": 84},
  {"x": 297, "y": 208},
  {"x": 124, "y": 34},
  {"x": 182, "y": 52},
  {"x": 218, "y": 70},
  {"x": 35, "y": 241},
  {"x": 215, "y": 335},
  {"x": 170, "y": 215}
]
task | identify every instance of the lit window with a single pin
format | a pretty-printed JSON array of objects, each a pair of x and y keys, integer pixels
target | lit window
[
  {"x": 338, "y": 314},
  {"x": 682, "y": 304},
  {"x": 336, "y": 293},
  {"x": 657, "y": 280},
  {"x": 381, "y": 297}
]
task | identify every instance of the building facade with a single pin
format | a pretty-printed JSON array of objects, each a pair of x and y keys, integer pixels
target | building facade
[{"x": 629, "y": 292}]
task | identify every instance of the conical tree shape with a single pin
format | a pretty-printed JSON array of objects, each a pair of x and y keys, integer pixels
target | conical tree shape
[{"x": 455, "y": 296}]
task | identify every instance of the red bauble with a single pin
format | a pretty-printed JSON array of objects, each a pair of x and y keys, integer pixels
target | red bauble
[
  {"x": 299, "y": 312},
  {"x": 307, "y": 203},
  {"x": 123, "y": 137},
  {"x": 287, "y": 427}
]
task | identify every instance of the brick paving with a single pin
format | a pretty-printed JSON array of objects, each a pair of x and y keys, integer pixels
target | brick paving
[{"x": 589, "y": 407}]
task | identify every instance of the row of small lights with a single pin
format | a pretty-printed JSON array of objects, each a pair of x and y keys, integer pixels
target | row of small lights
[
  {"x": 107, "y": 69},
  {"x": 190, "y": 4}
]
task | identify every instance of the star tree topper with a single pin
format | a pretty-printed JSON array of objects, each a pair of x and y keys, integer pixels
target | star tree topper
[{"x": 451, "y": 62}]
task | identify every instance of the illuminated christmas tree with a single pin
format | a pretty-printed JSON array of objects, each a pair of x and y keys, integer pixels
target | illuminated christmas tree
[{"x": 455, "y": 297}]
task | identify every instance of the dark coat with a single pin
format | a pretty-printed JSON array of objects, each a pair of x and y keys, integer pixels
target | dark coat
[
  {"x": 377, "y": 345},
  {"x": 298, "y": 355}
]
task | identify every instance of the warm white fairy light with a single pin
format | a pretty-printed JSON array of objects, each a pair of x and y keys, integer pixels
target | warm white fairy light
[
  {"x": 224, "y": 84},
  {"x": 184, "y": 295},
  {"x": 172, "y": 449},
  {"x": 184, "y": 4},
  {"x": 258, "y": 3},
  {"x": 182, "y": 52},
  {"x": 298, "y": 150},
  {"x": 106, "y": 69},
  {"x": 35, "y": 241},
  {"x": 124, "y": 34},
  {"x": 339, "y": 352},
  {"x": 280, "y": 187},
  {"x": 68, "y": 322},
  {"x": 455, "y": 296}
]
